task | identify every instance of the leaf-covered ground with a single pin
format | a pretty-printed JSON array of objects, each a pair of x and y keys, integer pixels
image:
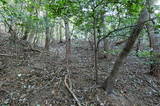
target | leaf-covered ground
[{"x": 31, "y": 76}]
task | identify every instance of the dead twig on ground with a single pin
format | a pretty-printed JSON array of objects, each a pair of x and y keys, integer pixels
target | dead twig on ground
[
  {"x": 36, "y": 50},
  {"x": 70, "y": 90},
  {"x": 149, "y": 84},
  {"x": 6, "y": 55}
]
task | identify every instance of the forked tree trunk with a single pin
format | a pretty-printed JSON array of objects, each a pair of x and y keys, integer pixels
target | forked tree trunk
[
  {"x": 109, "y": 82},
  {"x": 68, "y": 41}
]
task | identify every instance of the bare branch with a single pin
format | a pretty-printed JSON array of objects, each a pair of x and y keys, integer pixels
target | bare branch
[{"x": 119, "y": 29}]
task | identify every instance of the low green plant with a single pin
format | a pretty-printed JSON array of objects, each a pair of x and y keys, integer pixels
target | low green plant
[
  {"x": 113, "y": 51},
  {"x": 144, "y": 54}
]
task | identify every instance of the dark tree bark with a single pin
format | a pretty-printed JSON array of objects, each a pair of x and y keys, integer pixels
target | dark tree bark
[
  {"x": 60, "y": 33},
  {"x": 109, "y": 82}
]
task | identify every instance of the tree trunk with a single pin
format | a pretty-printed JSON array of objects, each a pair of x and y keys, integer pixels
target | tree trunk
[
  {"x": 35, "y": 41},
  {"x": 13, "y": 36},
  {"x": 109, "y": 82},
  {"x": 154, "y": 44},
  {"x": 31, "y": 36},
  {"x": 52, "y": 39},
  {"x": 47, "y": 39},
  {"x": 90, "y": 41},
  {"x": 95, "y": 49},
  {"x": 68, "y": 40},
  {"x": 105, "y": 41},
  {"x": 138, "y": 46},
  {"x": 155, "y": 66},
  {"x": 47, "y": 34},
  {"x": 155, "y": 50},
  {"x": 60, "y": 33},
  {"x": 25, "y": 34}
]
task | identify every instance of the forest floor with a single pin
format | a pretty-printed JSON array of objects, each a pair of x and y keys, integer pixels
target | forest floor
[{"x": 31, "y": 76}]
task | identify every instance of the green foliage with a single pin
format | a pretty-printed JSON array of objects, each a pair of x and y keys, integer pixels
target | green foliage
[
  {"x": 62, "y": 8},
  {"x": 5, "y": 105},
  {"x": 113, "y": 51},
  {"x": 32, "y": 14},
  {"x": 144, "y": 54}
]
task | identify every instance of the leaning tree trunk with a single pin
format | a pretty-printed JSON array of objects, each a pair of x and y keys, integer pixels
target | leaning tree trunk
[
  {"x": 109, "y": 82},
  {"x": 68, "y": 41}
]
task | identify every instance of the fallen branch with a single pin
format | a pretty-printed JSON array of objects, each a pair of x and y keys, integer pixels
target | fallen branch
[
  {"x": 6, "y": 55},
  {"x": 72, "y": 93},
  {"x": 36, "y": 50},
  {"x": 149, "y": 84}
]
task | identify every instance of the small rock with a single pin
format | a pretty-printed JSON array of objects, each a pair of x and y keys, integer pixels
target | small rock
[
  {"x": 6, "y": 101},
  {"x": 19, "y": 75},
  {"x": 23, "y": 96}
]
